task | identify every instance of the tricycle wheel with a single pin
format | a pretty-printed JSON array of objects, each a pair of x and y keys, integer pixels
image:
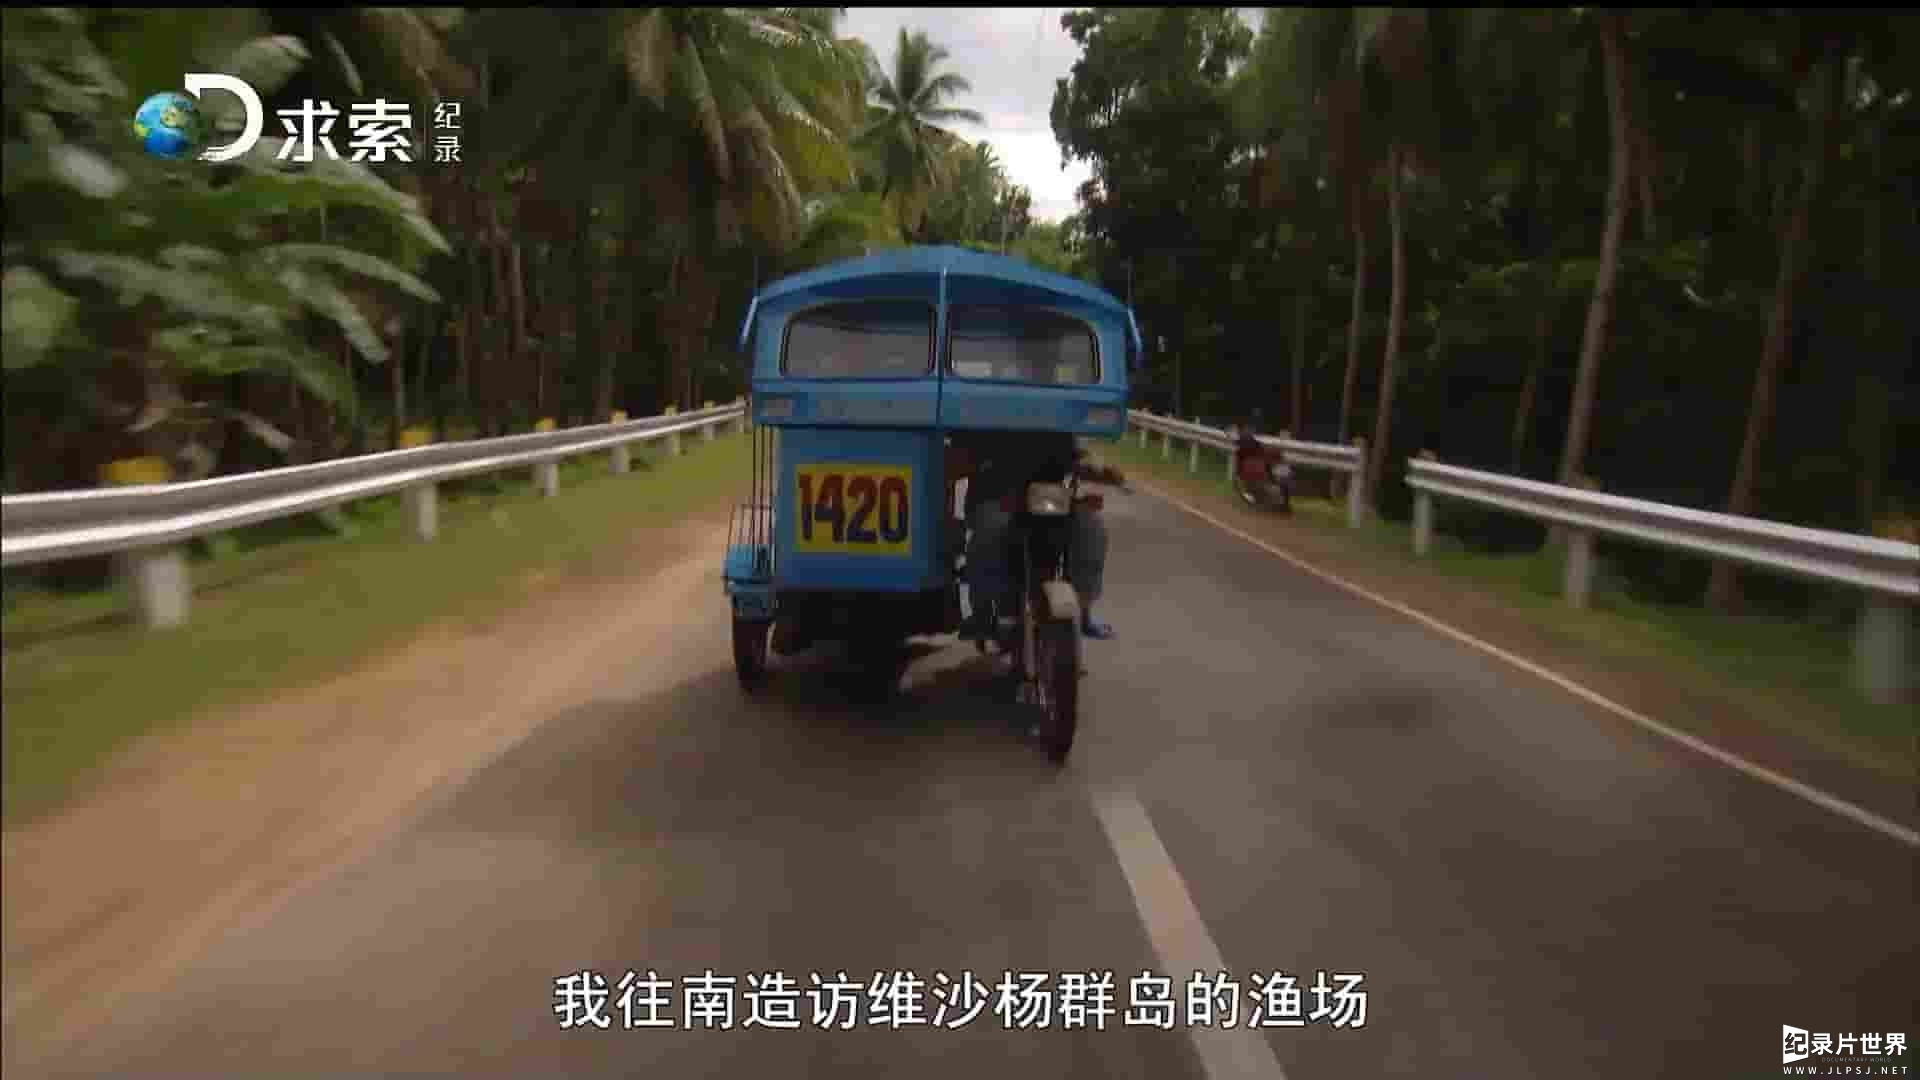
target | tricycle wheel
[
  {"x": 1057, "y": 676},
  {"x": 750, "y": 652}
]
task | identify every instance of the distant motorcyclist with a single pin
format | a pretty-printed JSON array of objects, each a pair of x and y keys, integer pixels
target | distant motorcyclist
[{"x": 1261, "y": 476}]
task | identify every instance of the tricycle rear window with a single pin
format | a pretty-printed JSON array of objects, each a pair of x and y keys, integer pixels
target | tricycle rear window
[
  {"x": 860, "y": 339},
  {"x": 1021, "y": 344}
]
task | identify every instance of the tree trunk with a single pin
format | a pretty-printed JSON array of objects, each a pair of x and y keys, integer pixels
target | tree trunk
[
  {"x": 1396, "y": 314},
  {"x": 673, "y": 307},
  {"x": 467, "y": 330},
  {"x": 1530, "y": 386},
  {"x": 1539, "y": 248},
  {"x": 1593, "y": 342},
  {"x": 590, "y": 352},
  {"x": 1871, "y": 394},
  {"x": 1299, "y": 364},
  {"x": 517, "y": 319},
  {"x": 1642, "y": 163},
  {"x": 423, "y": 364},
  {"x": 397, "y": 382},
  {"x": 500, "y": 356},
  {"x": 1795, "y": 251},
  {"x": 1353, "y": 324}
]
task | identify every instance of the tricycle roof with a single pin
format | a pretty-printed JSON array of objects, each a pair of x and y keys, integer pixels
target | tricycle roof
[{"x": 932, "y": 262}]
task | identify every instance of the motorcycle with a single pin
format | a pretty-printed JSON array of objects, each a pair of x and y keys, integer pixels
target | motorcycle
[{"x": 1261, "y": 476}]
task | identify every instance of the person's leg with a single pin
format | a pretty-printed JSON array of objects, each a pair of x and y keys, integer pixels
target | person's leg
[
  {"x": 987, "y": 570},
  {"x": 1087, "y": 567}
]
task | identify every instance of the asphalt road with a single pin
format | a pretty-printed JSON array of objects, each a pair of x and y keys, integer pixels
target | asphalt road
[{"x": 1530, "y": 887}]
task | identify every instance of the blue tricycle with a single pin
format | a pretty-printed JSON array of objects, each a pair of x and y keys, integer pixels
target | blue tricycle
[{"x": 867, "y": 376}]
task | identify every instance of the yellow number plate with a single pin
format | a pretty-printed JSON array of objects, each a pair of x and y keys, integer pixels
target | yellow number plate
[{"x": 853, "y": 509}]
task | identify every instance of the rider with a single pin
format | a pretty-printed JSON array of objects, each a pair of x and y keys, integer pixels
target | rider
[
  {"x": 1250, "y": 453},
  {"x": 999, "y": 468}
]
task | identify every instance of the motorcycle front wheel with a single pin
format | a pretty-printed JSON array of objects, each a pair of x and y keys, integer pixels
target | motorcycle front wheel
[{"x": 1056, "y": 674}]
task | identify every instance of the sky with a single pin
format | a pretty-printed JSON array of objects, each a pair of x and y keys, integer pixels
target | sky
[{"x": 1012, "y": 56}]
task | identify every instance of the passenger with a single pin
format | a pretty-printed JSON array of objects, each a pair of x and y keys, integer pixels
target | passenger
[{"x": 1001, "y": 465}]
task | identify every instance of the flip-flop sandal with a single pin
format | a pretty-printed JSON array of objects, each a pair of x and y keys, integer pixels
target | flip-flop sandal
[{"x": 1097, "y": 631}]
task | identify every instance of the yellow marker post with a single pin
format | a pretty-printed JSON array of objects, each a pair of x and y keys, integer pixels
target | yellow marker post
[
  {"x": 415, "y": 436},
  {"x": 544, "y": 425},
  {"x": 156, "y": 576},
  {"x": 133, "y": 471}
]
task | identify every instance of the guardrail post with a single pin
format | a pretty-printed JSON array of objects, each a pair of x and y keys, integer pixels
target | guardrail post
[
  {"x": 1166, "y": 446},
  {"x": 1143, "y": 437},
  {"x": 422, "y": 505},
  {"x": 1883, "y": 650},
  {"x": 156, "y": 576},
  {"x": 1193, "y": 457},
  {"x": 1356, "y": 486},
  {"x": 161, "y": 588},
  {"x": 1579, "y": 568},
  {"x": 1579, "y": 571},
  {"x": 620, "y": 458},
  {"x": 546, "y": 476},
  {"x": 1423, "y": 513},
  {"x": 706, "y": 430}
]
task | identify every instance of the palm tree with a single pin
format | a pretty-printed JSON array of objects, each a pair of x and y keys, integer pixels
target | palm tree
[
  {"x": 721, "y": 119},
  {"x": 1302, "y": 95},
  {"x": 1369, "y": 78},
  {"x": 964, "y": 208},
  {"x": 907, "y": 105},
  {"x": 1821, "y": 45},
  {"x": 403, "y": 52},
  {"x": 1613, "y": 50}
]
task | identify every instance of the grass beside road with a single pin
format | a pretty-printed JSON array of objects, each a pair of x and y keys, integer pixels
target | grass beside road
[
  {"x": 269, "y": 612},
  {"x": 1794, "y": 677}
]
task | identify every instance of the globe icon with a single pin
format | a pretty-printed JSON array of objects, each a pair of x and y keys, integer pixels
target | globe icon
[{"x": 169, "y": 126}]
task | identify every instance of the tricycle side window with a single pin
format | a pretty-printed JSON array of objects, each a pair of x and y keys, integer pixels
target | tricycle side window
[
  {"x": 860, "y": 339},
  {"x": 1021, "y": 344}
]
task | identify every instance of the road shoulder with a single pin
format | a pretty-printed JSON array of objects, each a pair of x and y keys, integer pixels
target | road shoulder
[{"x": 191, "y": 833}]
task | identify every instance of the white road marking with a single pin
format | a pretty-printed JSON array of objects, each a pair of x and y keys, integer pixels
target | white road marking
[
  {"x": 1819, "y": 798},
  {"x": 1179, "y": 937}
]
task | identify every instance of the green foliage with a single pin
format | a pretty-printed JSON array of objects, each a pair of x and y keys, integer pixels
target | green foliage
[
  {"x": 1230, "y": 187},
  {"x": 911, "y": 154},
  {"x": 163, "y": 269}
]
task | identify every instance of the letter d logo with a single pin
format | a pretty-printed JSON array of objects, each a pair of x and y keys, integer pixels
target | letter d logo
[{"x": 196, "y": 82}]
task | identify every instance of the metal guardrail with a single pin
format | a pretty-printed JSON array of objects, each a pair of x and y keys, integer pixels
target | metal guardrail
[
  {"x": 1888, "y": 571},
  {"x": 1350, "y": 460},
  {"x": 146, "y": 524}
]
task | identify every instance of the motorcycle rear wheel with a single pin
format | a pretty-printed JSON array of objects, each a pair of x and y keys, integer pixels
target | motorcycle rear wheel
[{"x": 1245, "y": 493}]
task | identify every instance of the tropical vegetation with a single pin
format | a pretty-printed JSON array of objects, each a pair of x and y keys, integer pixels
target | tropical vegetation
[
  {"x": 1565, "y": 243},
  {"x": 1657, "y": 251}
]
